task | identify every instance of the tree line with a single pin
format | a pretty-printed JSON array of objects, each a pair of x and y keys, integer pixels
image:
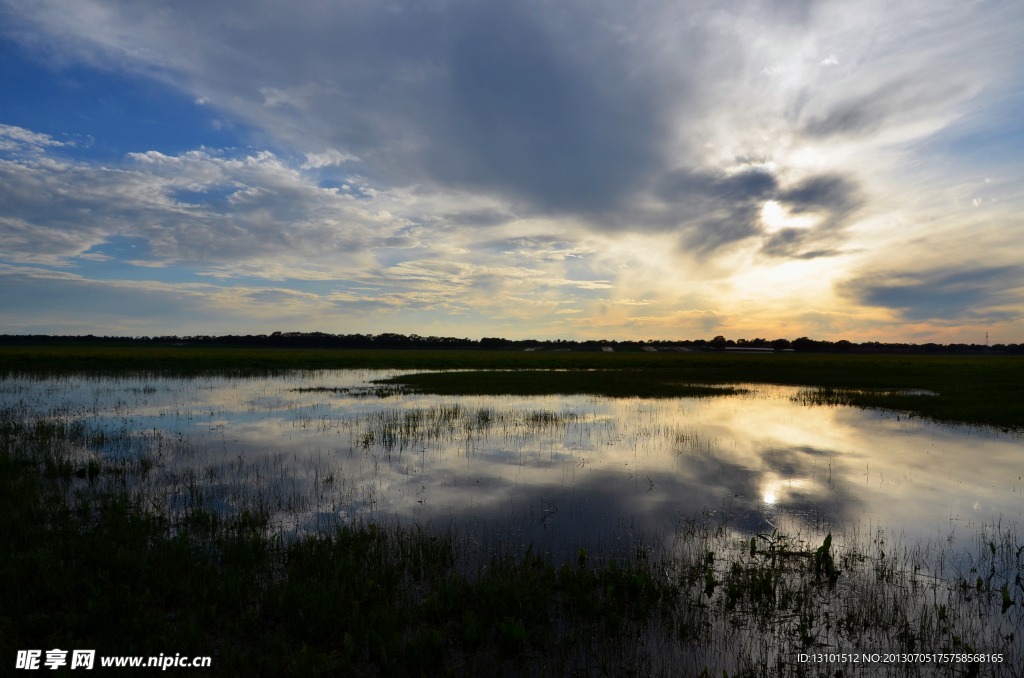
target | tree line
[{"x": 323, "y": 340}]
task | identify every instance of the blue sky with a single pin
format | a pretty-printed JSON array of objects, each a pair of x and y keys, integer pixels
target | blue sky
[{"x": 521, "y": 169}]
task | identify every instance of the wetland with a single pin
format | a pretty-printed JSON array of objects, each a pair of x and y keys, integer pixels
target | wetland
[{"x": 389, "y": 521}]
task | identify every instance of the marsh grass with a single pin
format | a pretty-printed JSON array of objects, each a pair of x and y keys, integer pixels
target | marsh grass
[
  {"x": 608, "y": 382},
  {"x": 906, "y": 401},
  {"x": 396, "y": 430},
  {"x": 977, "y": 390},
  {"x": 355, "y": 391},
  {"x": 112, "y": 541}
]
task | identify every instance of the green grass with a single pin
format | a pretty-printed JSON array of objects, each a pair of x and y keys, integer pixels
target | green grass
[{"x": 985, "y": 390}]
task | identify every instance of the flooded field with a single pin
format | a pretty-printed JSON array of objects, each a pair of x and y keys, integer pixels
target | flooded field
[
  {"x": 329, "y": 445},
  {"x": 516, "y": 535}
]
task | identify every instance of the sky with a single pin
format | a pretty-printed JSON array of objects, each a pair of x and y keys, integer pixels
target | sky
[{"x": 526, "y": 169}]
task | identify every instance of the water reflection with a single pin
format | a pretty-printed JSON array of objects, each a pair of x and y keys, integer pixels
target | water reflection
[{"x": 554, "y": 468}]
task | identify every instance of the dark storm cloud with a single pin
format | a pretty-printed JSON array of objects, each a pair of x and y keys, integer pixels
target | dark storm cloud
[
  {"x": 568, "y": 134},
  {"x": 560, "y": 108},
  {"x": 540, "y": 104},
  {"x": 948, "y": 293},
  {"x": 571, "y": 109}
]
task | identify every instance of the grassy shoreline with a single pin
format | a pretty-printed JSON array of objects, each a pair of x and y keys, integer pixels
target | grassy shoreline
[{"x": 977, "y": 390}]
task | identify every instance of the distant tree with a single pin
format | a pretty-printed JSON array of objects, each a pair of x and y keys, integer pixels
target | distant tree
[
  {"x": 804, "y": 344},
  {"x": 718, "y": 342},
  {"x": 494, "y": 342}
]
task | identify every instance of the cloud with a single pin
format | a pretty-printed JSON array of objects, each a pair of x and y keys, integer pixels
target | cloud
[
  {"x": 832, "y": 197},
  {"x": 547, "y": 107},
  {"x": 326, "y": 159},
  {"x": 228, "y": 216},
  {"x": 196, "y": 207},
  {"x": 899, "y": 102},
  {"x": 716, "y": 210},
  {"x": 471, "y": 152},
  {"x": 12, "y": 138},
  {"x": 526, "y": 116},
  {"x": 973, "y": 293}
]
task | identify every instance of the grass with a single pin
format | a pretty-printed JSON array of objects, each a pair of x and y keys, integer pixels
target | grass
[
  {"x": 959, "y": 390},
  {"x": 609, "y": 383},
  {"x": 981, "y": 390},
  {"x": 124, "y": 556}
]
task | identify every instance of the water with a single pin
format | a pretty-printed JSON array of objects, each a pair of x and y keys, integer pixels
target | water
[{"x": 553, "y": 470}]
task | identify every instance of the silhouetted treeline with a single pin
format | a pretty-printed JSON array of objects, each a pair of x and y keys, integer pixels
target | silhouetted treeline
[{"x": 415, "y": 341}]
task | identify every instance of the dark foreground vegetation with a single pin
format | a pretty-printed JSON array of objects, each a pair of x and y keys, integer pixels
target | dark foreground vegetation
[
  {"x": 980, "y": 390},
  {"x": 92, "y": 557}
]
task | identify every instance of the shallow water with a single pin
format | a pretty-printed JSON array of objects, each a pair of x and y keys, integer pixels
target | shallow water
[{"x": 559, "y": 469}]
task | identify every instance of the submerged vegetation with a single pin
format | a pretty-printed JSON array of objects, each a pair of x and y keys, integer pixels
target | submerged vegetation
[{"x": 115, "y": 543}]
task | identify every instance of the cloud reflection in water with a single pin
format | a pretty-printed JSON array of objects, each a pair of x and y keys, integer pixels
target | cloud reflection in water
[{"x": 565, "y": 469}]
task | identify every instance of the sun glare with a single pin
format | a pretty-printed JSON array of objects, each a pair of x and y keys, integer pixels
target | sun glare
[{"x": 774, "y": 218}]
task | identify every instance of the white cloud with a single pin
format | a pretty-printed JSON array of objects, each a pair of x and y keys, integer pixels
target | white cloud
[
  {"x": 327, "y": 158},
  {"x": 12, "y": 138},
  {"x": 830, "y": 60},
  {"x": 281, "y": 227}
]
